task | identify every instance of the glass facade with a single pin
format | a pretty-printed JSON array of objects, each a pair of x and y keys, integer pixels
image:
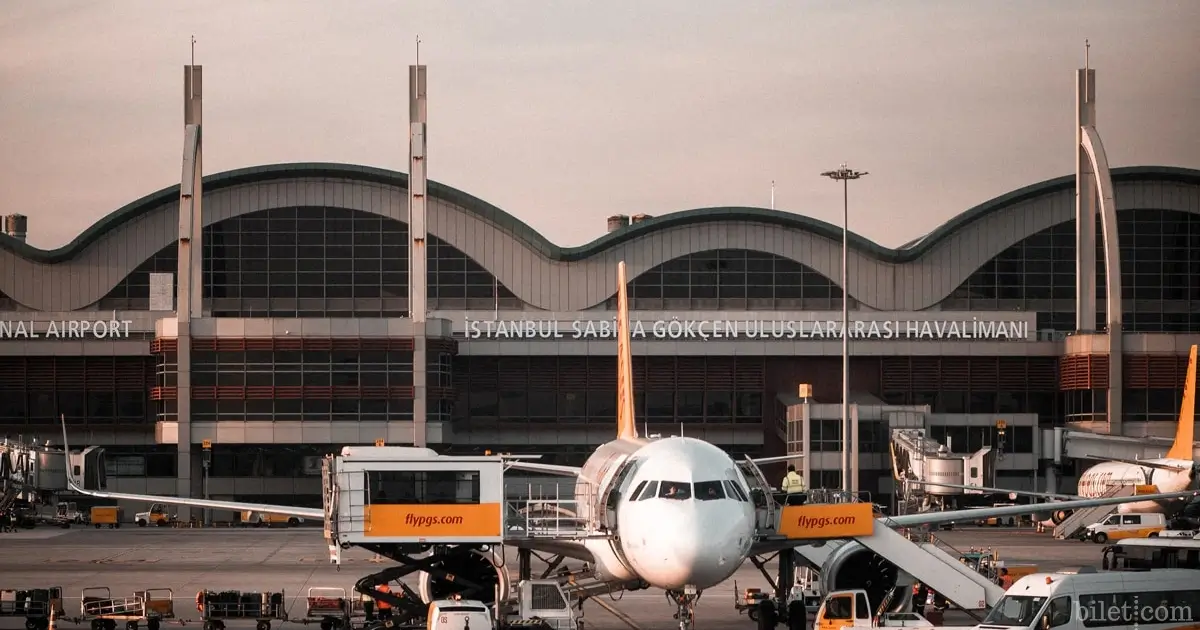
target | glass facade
[
  {"x": 344, "y": 380},
  {"x": 551, "y": 390},
  {"x": 974, "y": 384},
  {"x": 1153, "y": 387},
  {"x": 1160, "y": 251},
  {"x": 733, "y": 279},
  {"x": 88, "y": 391},
  {"x": 317, "y": 262}
]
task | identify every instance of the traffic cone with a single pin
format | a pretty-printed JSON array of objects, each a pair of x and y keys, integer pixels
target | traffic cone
[{"x": 53, "y": 618}]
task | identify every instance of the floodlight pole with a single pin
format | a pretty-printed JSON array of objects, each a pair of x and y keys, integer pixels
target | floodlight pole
[{"x": 844, "y": 175}]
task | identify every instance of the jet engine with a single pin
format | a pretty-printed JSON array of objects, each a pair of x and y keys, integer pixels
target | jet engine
[
  {"x": 478, "y": 566},
  {"x": 852, "y": 566},
  {"x": 1058, "y": 516}
]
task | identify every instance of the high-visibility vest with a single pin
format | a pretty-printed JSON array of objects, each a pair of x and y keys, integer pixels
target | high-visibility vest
[
  {"x": 383, "y": 588},
  {"x": 793, "y": 482}
]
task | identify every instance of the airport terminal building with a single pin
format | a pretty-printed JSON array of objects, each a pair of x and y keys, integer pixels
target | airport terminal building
[{"x": 301, "y": 339}]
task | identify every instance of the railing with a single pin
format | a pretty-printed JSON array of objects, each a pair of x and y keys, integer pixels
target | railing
[{"x": 547, "y": 514}]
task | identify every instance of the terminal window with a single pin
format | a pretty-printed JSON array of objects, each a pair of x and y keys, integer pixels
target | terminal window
[{"x": 439, "y": 487}]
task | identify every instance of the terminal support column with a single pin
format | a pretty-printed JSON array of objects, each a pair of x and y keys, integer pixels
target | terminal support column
[
  {"x": 1094, "y": 195},
  {"x": 188, "y": 303},
  {"x": 417, "y": 252}
]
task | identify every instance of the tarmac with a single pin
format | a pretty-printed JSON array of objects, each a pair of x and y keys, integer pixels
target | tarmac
[{"x": 294, "y": 560}]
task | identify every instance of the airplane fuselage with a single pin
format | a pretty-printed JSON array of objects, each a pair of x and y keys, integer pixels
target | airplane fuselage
[
  {"x": 1102, "y": 478},
  {"x": 679, "y": 507}
]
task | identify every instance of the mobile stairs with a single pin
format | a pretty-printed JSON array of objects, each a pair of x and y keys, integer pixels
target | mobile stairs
[{"x": 1078, "y": 520}]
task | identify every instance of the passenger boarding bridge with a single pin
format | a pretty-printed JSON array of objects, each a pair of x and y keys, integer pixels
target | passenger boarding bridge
[
  {"x": 36, "y": 473},
  {"x": 918, "y": 458}
]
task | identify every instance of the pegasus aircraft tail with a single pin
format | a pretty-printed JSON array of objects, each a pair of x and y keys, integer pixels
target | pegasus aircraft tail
[
  {"x": 626, "y": 421},
  {"x": 1183, "y": 447}
]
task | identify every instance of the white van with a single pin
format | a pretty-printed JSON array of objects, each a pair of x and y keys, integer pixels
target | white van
[
  {"x": 1160, "y": 599},
  {"x": 1122, "y": 526}
]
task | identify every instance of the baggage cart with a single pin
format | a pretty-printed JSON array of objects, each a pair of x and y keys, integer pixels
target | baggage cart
[
  {"x": 328, "y": 606},
  {"x": 217, "y": 607},
  {"x": 98, "y": 606},
  {"x": 160, "y": 605},
  {"x": 34, "y": 605},
  {"x": 107, "y": 516}
]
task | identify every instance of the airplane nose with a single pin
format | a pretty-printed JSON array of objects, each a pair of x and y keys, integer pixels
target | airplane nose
[{"x": 699, "y": 547}]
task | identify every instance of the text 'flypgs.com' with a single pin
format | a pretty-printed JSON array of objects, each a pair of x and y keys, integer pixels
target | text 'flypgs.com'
[
  {"x": 808, "y": 522},
  {"x": 412, "y": 520}
]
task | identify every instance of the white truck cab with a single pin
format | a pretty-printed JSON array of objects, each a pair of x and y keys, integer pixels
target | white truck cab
[
  {"x": 459, "y": 614},
  {"x": 852, "y": 609}
]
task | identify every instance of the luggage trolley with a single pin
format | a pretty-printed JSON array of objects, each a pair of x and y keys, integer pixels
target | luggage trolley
[
  {"x": 98, "y": 606},
  {"x": 329, "y": 606},
  {"x": 263, "y": 607},
  {"x": 33, "y": 604}
]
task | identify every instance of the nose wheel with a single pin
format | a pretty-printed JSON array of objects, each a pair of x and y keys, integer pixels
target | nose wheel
[{"x": 685, "y": 601}]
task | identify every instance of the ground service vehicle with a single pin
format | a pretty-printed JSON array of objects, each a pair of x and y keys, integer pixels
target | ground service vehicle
[
  {"x": 851, "y": 609},
  {"x": 107, "y": 516},
  {"x": 262, "y": 607},
  {"x": 68, "y": 513},
  {"x": 1122, "y": 526},
  {"x": 157, "y": 515},
  {"x": 1141, "y": 554},
  {"x": 456, "y": 614},
  {"x": 1160, "y": 599},
  {"x": 267, "y": 519}
]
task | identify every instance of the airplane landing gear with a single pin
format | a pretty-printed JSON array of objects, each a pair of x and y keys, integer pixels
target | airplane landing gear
[
  {"x": 778, "y": 609},
  {"x": 685, "y": 601}
]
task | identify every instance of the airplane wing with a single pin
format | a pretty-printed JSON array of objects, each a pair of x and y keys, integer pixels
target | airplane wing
[
  {"x": 568, "y": 548},
  {"x": 1026, "y": 493},
  {"x": 950, "y": 516},
  {"x": 550, "y": 469},
  {"x": 1139, "y": 462},
  {"x": 237, "y": 506}
]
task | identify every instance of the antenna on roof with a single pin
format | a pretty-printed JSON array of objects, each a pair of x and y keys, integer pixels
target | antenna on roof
[
  {"x": 418, "y": 50},
  {"x": 193, "y": 50},
  {"x": 772, "y": 194}
]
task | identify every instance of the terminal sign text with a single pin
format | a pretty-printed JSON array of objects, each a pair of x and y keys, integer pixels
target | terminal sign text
[
  {"x": 66, "y": 329},
  {"x": 714, "y": 329}
]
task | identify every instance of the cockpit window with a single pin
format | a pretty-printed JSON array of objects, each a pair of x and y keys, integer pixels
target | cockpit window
[
  {"x": 734, "y": 491},
  {"x": 648, "y": 493},
  {"x": 677, "y": 490},
  {"x": 709, "y": 490},
  {"x": 637, "y": 491}
]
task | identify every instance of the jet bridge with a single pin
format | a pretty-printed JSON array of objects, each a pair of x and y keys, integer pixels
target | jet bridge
[{"x": 918, "y": 458}]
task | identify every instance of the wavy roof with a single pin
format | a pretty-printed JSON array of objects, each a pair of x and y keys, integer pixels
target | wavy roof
[{"x": 525, "y": 233}]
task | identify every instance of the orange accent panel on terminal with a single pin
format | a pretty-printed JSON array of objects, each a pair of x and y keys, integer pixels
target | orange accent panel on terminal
[
  {"x": 432, "y": 521},
  {"x": 842, "y": 520}
]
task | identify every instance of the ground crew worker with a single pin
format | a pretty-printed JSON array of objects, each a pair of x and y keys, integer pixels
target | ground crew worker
[
  {"x": 792, "y": 482},
  {"x": 385, "y": 608},
  {"x": 1006, "y": 580},
  {"x": 793, "y": 487}
]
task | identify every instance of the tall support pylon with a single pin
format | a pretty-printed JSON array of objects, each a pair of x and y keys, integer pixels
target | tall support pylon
[
  {"x": 1094, "y": 196},
  {"x": 417, "y": 251},
  {"x": 188, "y": 305}
]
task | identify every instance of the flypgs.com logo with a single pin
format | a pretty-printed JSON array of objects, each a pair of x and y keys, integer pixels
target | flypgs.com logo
[
  {"x": 823, "y": 522},
  {"x": 412, "y": 520}
]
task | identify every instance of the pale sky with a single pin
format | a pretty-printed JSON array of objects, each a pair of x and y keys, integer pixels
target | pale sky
[{"x": 563, "y": 113}]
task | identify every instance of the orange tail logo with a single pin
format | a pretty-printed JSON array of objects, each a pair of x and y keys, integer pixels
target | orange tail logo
[
  {"x": 626, "y": 422},
  {"x": 1183, "y": 447}
]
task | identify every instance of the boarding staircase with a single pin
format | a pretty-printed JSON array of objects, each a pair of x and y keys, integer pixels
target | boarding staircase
[{"x": 1080, "y": 519}]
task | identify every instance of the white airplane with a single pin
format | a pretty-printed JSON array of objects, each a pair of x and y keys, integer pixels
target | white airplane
[
  {"x": 1175, "y": 472},
  {"x": 685, "y": 517}
]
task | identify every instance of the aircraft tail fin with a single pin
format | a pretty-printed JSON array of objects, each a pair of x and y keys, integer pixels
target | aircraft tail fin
[
  {"x": 1183, "y": 447},
  {"x": 626, "y": 421}
]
